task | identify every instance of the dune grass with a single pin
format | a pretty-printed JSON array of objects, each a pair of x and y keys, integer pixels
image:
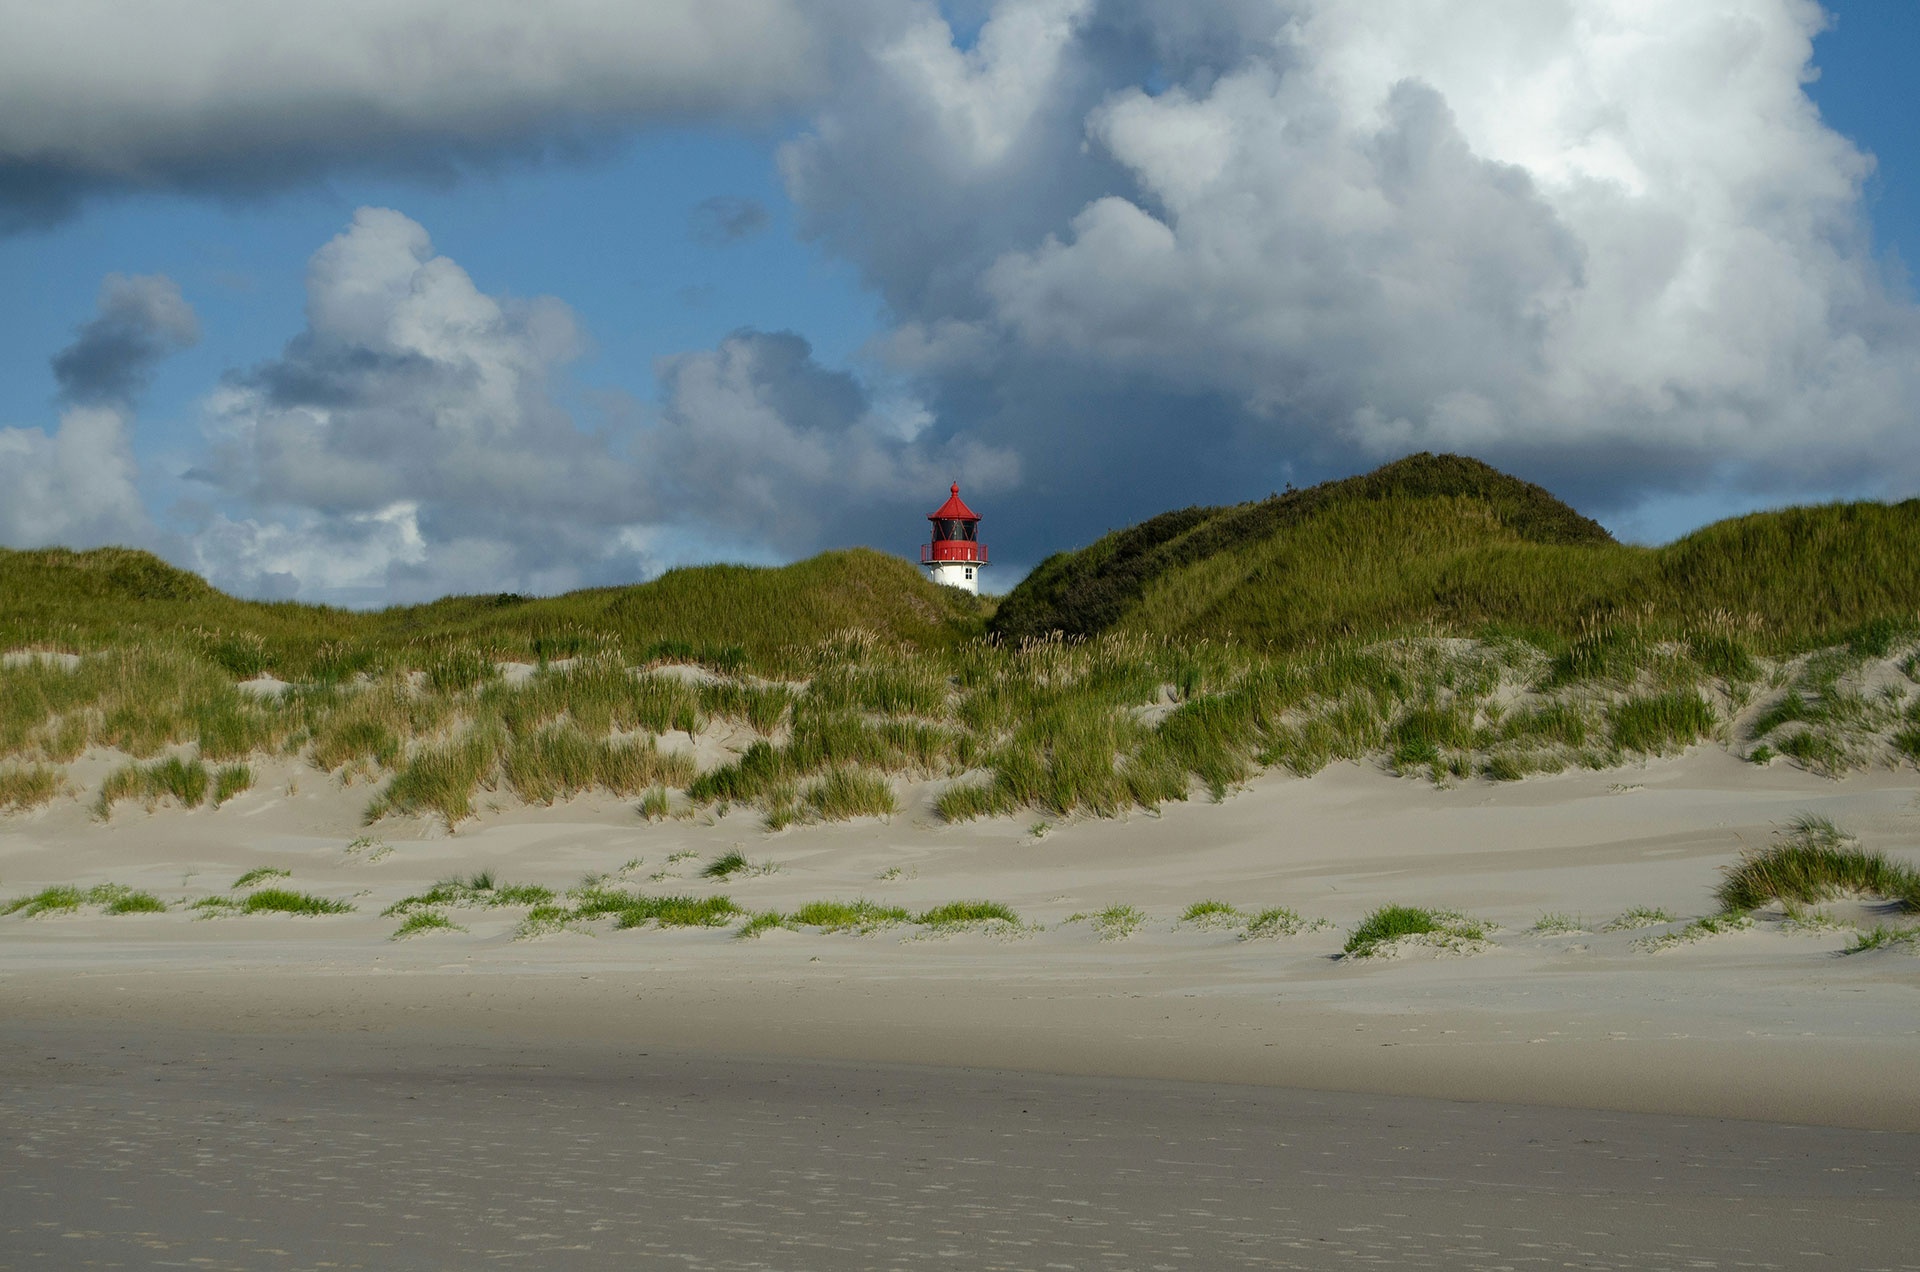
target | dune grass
[
  {"x": 844, "y": 794},
  {"x": 58, "y": 899},
  {"x": 183, "y": 781},
  {"x": 1212, "y": 914},
  {"x": 287, "y": 901},
  {"x": 24, "y": 787},
  {"x": 1698, "y": 930},
  {"x": 859, "y": 916},
  {"x": 479, "y": 890},
  {"x": 1640, "y": 916},
  {"x": 422, "y": 922},
  {"x": 231, "y": 780},
  {"x": 677, "y": 911},
  {"x": 112, "y": 898},
  {"x": 1277, "y": 921},
  {"x": 961, "y": 914},
  {"x": 1118, "y": 922},
  {"x": 1554, "y": 923},
  {"x": 125, "y": 900},
  {"x": 1882, "y": 937},
  {"x": 261, "y": 874},
  {"x": 1815, "y": 861},
  {"x": 1390, "y": 924},
  {"x": 1434, "y": 618},
  {"x": 761, "y": 922}
]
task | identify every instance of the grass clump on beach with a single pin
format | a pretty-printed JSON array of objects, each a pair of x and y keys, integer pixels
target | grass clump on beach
[
  {"x": 961, "y": 914},
  {"x": 677, "y": 911},
  {"x": 117, "y": 899},
  {"x": 1212, "y": 914},
  {"x": 29, "y": 786},
  {"x": 184, "y": 781},
  {"x": 1816, "y": 861},
  {"x": 845, "y": 793},
  {"x": 1640, "y": 916},
  {"x": 260, "y": 874},
  {"x": 760, "y": 922},
  {"x": 287, "y": 901},
  {"x": 112, "y": 898},
  {"x": 1277, "y": 921},
  {"x": 859, "y": 916},
  {"x": 1698, "y": 930},
  {"x": 734, "y": 862},
  {"x": 1657, "y": 723},
  {"x": 1390, "y": 924},
  {"x": 424, "y": 921},
  {"x": 58, "y": 899},
  {"x": 231, "y": 780},
  {"x": 1557, "y": 924},
  {"x": 1118, "y": 922},
  {"x": 1882, "y": 937},
  {"x": 479, "y": 890}
]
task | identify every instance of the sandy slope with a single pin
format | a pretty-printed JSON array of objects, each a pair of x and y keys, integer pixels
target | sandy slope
[{"x": 1764, "y": 1024}]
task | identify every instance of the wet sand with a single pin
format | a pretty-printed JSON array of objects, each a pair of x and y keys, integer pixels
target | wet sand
[{"x": 194, "y": 1148}]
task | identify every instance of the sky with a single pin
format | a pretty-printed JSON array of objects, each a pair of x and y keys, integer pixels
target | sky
[{"x": 366, "y": 303}]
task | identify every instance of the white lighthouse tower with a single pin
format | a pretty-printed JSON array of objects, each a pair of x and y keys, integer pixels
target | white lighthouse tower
[{"x": 956, "y": 555}]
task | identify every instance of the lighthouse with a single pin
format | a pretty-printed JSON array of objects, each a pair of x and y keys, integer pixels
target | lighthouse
[{"x": 956, "y": 556}]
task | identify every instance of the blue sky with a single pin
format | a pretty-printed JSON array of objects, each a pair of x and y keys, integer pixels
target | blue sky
[{"x": 968, "y": 296}]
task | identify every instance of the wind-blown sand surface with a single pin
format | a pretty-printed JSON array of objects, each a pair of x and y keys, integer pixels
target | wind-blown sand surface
[{"x": 1767, "y": 1024}]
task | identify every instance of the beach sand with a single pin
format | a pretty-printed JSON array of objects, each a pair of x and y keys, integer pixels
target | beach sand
[{"x": 1542, "y": 1035}]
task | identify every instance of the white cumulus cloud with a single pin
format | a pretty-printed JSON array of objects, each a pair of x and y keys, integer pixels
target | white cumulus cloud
[
  {"x": 413, "y": 440},
  {"x": 1609, "y": 242}
]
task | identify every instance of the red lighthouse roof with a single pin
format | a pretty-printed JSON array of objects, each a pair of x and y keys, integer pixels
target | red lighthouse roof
[{"x": 953, "y": 509}]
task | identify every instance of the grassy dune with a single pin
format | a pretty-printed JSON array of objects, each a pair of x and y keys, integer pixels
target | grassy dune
[
  {"x": 726, "y": 616},
  {"x": 1446, "y": 544},
  {"x": 1436, "y": 618}
]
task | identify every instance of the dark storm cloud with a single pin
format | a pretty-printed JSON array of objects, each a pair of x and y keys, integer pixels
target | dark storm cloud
[
  {"x": 201, "y": 96},
  {"x": 141, "y": 320}
]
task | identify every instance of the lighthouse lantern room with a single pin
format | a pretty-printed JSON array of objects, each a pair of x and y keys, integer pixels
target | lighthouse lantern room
[{"x": 956, "y": 555}]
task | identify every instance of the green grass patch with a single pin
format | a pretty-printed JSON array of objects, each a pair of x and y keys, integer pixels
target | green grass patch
[
  {"x": 1392, "y": 923},
  {"x": 1698, "y": 930},
  {"x": 423, "y": 922},
  {"x": 260, "y": 874},
  {"x": 963, "y": 913},
  {"x": 479, "y": 890},
  {"x": 1118, "y": 922},
  {"x": 848, "y": 793},
  {"x": 25, "y": 787},
  {"x": 58, "y": 899},
  {"x": 1815, "y": 861},
  {"x": 1657, "y": 723},
  {"x": 1882, "y": 937},
  {"x": 761, "y": 922},
  {"x": 1277, "y": 921},
  {"x": 860, "y": 915},
  {"x": 1212, "y": 914},
  {"x": 134, "y": 901},
  {"x": 1556, "y": 924},
  {"x": 1640, "y": 916},
  {"x": 183, "y": 781},
  {"x": 543, "y": 920},
  {"x": 287, "y": 901},
  {"x": 230, "y": 780},
  {"x": 725, "y": 865},
  {"x": 677, "y": 911}
]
